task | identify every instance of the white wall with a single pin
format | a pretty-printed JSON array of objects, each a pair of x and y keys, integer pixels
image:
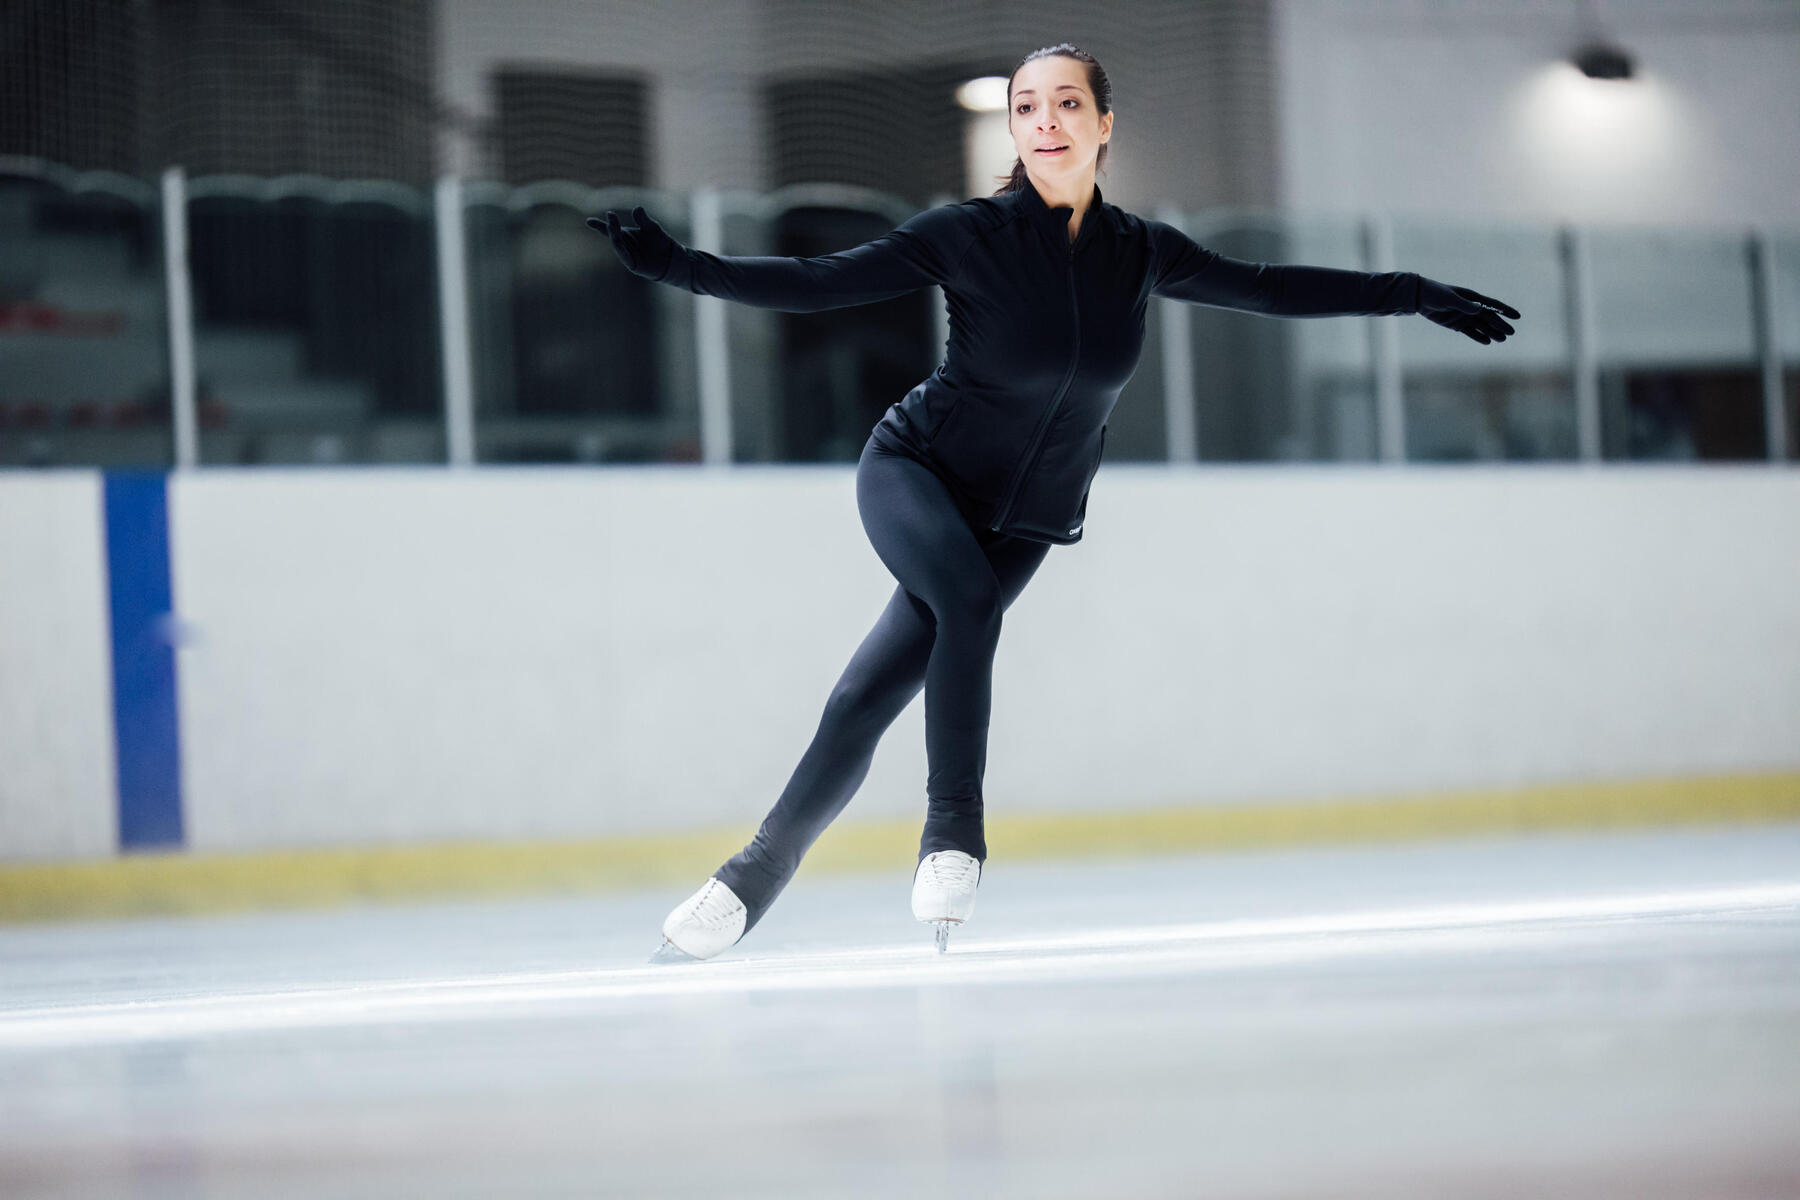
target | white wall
[
  {"x": 510, "y": 652},
  {"x": 1245, "y": 633},
  {"x": 1183, "y": 72},
  {"x": 1463, "y": 110},
  {"x": 392, "y": 655},
  {"x": 411, "y": 654},
  {"x": 705, "y": 109},
  {"x": 1468, "y": 110},
  {"x": 57, "y": 781}
]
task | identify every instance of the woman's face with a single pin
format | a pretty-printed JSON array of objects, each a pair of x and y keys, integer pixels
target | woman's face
[{"x": 1052, "y": 106}]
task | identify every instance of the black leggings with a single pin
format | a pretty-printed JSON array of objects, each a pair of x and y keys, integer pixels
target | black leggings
[{"x": 938, "y": 632}]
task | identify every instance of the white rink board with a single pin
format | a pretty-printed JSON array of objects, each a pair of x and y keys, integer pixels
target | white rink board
[
  {"x": 402, "y": 654},
  {"x": 57, "y": 777}
]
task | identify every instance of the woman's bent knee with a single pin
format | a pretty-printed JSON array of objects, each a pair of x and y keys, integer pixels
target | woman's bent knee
[{"x": 973, "y": 605}]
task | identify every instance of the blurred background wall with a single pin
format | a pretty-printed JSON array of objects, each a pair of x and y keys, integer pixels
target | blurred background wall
[
  {"x": 1464, "y": 108},
  {"x": 1472, "y": 109},
  {"x": 1645, "y": 224},
  {"x": 350, "y": 234},
  {"x": 760, "y": 95},
  {"x": 374, "y": 657}
]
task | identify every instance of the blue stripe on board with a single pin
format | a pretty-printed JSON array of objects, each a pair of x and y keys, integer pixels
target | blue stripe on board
[{"x": 146, "y": 729}]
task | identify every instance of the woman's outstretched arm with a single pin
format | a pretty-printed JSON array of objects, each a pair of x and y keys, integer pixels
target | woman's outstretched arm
[
  {"x": 1186, "y": 270},
  {"x": 922, "y": 251},
  {"x": 1189, "y": 271}
]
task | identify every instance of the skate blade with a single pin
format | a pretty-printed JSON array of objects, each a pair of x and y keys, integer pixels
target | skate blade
[{"x": 669, "y": 952}]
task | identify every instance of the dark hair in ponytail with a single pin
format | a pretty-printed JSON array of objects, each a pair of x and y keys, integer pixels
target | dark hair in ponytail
[{"x": 1097, "y": 83}]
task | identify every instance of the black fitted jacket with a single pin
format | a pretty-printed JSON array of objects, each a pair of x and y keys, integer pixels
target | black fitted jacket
[{"x": 1043, "y": 333}]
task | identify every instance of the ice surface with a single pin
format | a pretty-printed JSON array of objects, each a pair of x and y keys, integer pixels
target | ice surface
[{"x": 1594, "y": 1015}]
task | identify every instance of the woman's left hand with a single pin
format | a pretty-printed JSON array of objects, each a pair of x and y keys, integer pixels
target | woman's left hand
[
  {"x": 644, "y": 248},
  {"x": 1465, "y": 310}
]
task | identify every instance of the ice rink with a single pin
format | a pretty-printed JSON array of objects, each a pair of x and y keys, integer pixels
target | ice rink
[{"x": 1596, "y": 1015}]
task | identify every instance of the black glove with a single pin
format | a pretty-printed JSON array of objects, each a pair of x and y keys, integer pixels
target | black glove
[
  {"x": 1465, "y": 310},
  {"x": 644, "y": 248}
]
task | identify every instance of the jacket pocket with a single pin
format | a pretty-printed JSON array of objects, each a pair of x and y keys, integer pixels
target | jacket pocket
[
  {"x": 1081, "y": 510},
  {"x": 1095, "y": 469},
  {"x": 1044, "y": 512}
]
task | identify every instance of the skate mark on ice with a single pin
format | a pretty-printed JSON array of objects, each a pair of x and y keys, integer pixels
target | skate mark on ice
[{"x": 1093, "y": 955}]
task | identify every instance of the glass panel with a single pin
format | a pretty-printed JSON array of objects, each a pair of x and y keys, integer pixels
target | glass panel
[
  {"x": 752, "y": 338},
  {"x": 576, "y": 358},
  {"x": 808, "y": 387},
  {"x": 1331, "y": 365},
  {"x": 1138, "y": 430},
  {"x": 84, "y": 351},
  {"x": 1790, "y": 390},
  {"x": 1509, "y": 400},
  {"x": 1678, "y": 371},
  {"x": 315, "y": 321},
  {"x": 1786, "y": 322},
  {"x": 1281, "y": 388}
]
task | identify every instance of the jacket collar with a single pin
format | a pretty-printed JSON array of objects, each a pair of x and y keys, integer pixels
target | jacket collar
[{"x": 1055, "y": 221}]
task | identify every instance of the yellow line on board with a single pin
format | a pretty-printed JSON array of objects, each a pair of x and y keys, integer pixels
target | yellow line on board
[{"x": 183, "y": 882}]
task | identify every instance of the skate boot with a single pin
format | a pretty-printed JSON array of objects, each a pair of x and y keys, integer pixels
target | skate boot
[
  {"x": 944, "y": 891},
  {"x": 702, "y": 925}
]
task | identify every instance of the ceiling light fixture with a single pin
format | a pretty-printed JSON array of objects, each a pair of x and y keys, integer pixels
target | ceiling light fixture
[
  {"x": 986, "y": 94},
  {"x": 1600, "y": 60}
]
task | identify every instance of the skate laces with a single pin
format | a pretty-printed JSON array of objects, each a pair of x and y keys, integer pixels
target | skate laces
[
  {"x": 716, "y": 905},
  {"x": 955, "y": 872}
]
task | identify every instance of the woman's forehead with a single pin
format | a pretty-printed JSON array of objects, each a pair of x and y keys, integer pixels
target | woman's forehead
[{"x": 1045, "y": 74}]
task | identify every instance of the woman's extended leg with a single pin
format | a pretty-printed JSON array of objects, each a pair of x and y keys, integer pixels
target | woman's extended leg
[
  {"x": 907, "y": 510},
  {"x": 921, "y": 535}
]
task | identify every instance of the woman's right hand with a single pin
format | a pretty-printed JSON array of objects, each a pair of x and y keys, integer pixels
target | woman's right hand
[
  {"x": 644, "y": 248},
  {"x": 1465, "y": 310}
]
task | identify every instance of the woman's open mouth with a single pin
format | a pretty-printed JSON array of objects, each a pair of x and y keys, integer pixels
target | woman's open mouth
[{"x": 1053, "y": 152}]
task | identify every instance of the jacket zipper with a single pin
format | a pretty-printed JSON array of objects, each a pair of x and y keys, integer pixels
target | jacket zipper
[{"x": 1037, "y": 435}]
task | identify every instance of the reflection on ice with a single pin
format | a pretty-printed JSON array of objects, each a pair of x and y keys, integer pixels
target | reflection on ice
[{"x": 1604, "y": 1016}]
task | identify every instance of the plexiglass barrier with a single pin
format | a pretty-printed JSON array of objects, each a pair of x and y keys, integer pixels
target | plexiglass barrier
[
  {"x": 315, "y": 321},
  {"x": 84, "y": 349},
  {"x": 1675, "y": 336},
  {"x": 1275, "y": 389},
  {"x": 575, "y": 358},
  {"x": 1512, "y": 400},
  {"x": 808, "y": 387},
  {"x": 318, "y": 335},
  {"x": 1783, "y": 312}
]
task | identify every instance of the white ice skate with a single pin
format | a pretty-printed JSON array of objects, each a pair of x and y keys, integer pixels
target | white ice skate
[
  {"x": 944, "y": 891},
  {"x": 702, "y": 925}
]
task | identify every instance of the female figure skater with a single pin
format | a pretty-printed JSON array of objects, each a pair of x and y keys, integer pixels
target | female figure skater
[{"x": 967, "y": 481}]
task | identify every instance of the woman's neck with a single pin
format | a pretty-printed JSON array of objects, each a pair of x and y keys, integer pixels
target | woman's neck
[{"x": 1078, "y": 195}]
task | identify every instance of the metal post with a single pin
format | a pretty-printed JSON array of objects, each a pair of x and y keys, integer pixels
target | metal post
[
  {"x": 181, "y": 318},
  {"x": 1768, "y": 342},
  {"x": 1390, "y": 400},
  {"x": 453, "y": 324},
  {"x": 1584, "y": 363},
  {"x": 1181, "y": 420},
  {"x": 712, "y": 346}
]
